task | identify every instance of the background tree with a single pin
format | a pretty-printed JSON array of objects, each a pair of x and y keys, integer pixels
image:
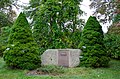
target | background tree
[
  {"x": 112, "y": 40},
  {"x": 55, "y": 21},
  {"x": 116, "y": 20},
  {"x": 5, "y": 31},
  {"x": 7, "y": 15},
  {"x": 106, "y": 9},
  {"x": 22, "y": 51},
  {"x": 4, "y": 21},
  {"x": 92, "y": 44}
]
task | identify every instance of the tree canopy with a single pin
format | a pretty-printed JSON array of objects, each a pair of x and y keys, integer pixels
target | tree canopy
[
  {"x": 55, "y": 21},
  {"x": 105, "y": 8}
]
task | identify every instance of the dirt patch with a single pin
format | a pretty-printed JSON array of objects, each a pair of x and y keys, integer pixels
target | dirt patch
[
  {"x": 38, "y": 72},
  {"x": 47, "y": 70}
]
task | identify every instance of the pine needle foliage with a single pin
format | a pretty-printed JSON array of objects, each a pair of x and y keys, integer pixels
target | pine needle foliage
[
  {"x": 22, "y": 51},
  {"x": 94, "y": 53}
]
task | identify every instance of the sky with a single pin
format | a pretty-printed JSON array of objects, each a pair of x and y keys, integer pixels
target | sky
[
  {"x": 25, "y": 1},
  {"x": 85, "y": 7}
]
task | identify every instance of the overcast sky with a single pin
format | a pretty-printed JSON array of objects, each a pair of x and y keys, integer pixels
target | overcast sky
[
  {"x": 84, "y": 7},
  {"x": 25, "y": 1}
]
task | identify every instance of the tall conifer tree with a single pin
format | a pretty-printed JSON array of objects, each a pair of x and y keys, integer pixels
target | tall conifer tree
[
  {"x": 22, "y": 51},
  {"x": 94, "y": 54}
]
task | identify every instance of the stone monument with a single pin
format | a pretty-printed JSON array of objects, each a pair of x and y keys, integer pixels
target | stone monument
[{"x": 61, "y": 57}]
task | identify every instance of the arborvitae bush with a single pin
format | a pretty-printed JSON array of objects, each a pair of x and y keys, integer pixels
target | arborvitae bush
[
  {"x": 94, "y": 53},
  {"x": 22, "y": 51}
]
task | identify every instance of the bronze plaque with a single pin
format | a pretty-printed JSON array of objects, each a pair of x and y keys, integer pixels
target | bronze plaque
[{"x": 63, "y": 58}]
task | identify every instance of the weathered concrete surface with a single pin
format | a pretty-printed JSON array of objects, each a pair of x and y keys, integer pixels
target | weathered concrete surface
[
  {"x": 74, "y": 57},
  {"x": 50, "y": 57}
]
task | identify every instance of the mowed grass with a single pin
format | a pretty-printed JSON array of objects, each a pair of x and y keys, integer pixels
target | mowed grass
[{"x": 113, "y": 72}]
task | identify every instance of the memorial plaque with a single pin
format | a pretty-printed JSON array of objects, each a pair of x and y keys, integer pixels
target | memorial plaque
[{"x": 63, "y": 58}]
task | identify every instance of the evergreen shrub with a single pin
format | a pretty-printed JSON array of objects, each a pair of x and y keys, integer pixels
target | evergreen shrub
[
  {"x": 92, "y": 45},
  {"x": 22, "y": 51}
]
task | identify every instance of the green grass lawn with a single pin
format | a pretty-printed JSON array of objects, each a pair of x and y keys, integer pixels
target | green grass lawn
[{"x": 113, "y": 72}]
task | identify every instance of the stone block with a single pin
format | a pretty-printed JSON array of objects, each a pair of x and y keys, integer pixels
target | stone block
[{"x": 61, "y": 57}]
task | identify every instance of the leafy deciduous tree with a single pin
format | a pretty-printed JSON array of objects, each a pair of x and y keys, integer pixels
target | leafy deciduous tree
[
  {"x": 55, "y": 21},
  {"x": 4, "y": 39},
  {"x": 112, "y": 41},
  {"x": 7, "y": 15}
]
